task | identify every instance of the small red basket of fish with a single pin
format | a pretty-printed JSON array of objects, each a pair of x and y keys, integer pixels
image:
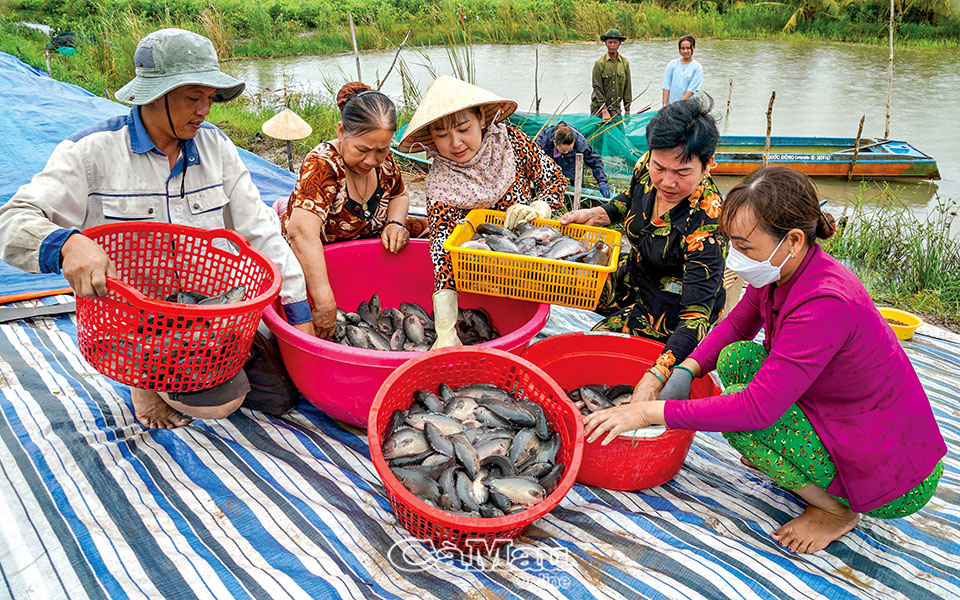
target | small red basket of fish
[
  {"x": 181, "y": 314},
  {"x": 476, "y": 386}
]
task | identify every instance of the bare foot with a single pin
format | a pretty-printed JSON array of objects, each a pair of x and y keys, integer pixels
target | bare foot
[
  {"x": 153, "y": 413},
  {"x": 813, "y": 530}
]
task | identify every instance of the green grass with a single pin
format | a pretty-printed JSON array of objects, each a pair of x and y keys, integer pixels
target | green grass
[{"x": 904, "y": 260}]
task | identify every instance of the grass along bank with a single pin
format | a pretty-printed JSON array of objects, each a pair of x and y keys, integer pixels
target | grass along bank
[
  {"x": 905, "y": 260},
  {"x": 261, "y": 28}
]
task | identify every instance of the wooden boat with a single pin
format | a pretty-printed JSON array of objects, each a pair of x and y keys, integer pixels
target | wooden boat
[{"x": 825, "y": 157}]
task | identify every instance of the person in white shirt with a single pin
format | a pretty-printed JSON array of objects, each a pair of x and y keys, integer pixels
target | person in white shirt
[
  {"x": 683, "y": 76},
  {"x": 159, "y": 162}
]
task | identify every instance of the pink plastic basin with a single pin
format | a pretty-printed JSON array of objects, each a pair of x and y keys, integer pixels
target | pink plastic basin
[
  {"x": 341, "y": 380},
  {"x": 627, "y": 463}
]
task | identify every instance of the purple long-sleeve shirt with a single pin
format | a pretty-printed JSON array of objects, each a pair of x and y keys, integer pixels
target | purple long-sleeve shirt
[{"x": 831, "y": 353}]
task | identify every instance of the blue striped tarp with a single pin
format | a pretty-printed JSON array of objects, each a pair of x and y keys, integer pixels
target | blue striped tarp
[{"x": 94, "y": 506}]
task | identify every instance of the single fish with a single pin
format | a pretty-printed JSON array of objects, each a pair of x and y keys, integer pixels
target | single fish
[
  {"x": 475, "y": 245},
  {"x": 410, "y": 308},
  {"x": 563, "y": 248},
  {"x": 413, "y": 329},
  {"x": 498, "y": 447},
  {"x": 548, "y": 449},
  {"x": 501, "y": 244},
  {"x": 593, "y": 399},
  {"x": 376, "y": 310},
  {"x": 397, "y": 340},
  {"x": 419, "y": 484},
  {"x": 519, "y": 490},
  {"x": 464, "y": 488},
  {"x": 466, "y": 454},
  {"x": 430, "y": 400},
  {"x": 540, "y": 235},
  {"x": 231, "y": 296},
  {"x": 377, "y": 341},
  {"x": 509, "y": 411},
  {"x": 356, "y": 337},
  {"x": 437, "y": 440},
  {"x": 488, "y": 229},
  {"x": 449, "y": 500},
  {"x": 406, "y": 441},
  {"x": 552, "y": 478},
  {"x": 525, "y": 445},
  {"x": 443, "y": 423},
  {"x": 460, "y": 407},
  {"x": 499, "y": 463}
]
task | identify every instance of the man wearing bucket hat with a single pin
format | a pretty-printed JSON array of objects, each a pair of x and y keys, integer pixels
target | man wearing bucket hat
[
  {"x": 611, "y": 80},
  {"x": 159, "y": 162},
  {"x": 478, "y": 162}
]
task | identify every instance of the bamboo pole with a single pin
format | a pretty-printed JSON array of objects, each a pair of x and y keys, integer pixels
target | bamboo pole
[
  {"x": 886, "y": 129},
  {"x": 560, "y": 109},
  {"x": 766, "y": 145},
  {"x": 536, "y": 76},
  {"x": 856, "y": 149},
  {"x": 395, "y": 56},
  {"x": 356, "y": 51},
  {"x": 577, "y": 180},
  {"x": 729, "y": 97}
]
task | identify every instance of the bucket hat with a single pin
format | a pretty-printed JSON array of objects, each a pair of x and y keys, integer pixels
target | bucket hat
[
  {"x": 611, "y": 34},
  {"x": 170, "y": 58},
  {"x": 446, "y": 96}
]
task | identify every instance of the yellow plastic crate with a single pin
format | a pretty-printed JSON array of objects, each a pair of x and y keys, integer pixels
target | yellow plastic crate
[{"x": 528, "y": 277}]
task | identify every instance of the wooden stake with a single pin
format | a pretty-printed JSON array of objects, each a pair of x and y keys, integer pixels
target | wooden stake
[
  {"x": 46, "y": 53},
  {"x": 886, "y": 129},
  {"x": 577, "y": 180},
  {"x": 536, "y": 70},
  {"x": 729, "y": 97},
  {"x": 856, "y": 149},
  {"x": 356, "y": 52},
  {"x": 289, "y": 156},
  {"x": 395, "y": 56},
  {"x": 766, "y": 145}
]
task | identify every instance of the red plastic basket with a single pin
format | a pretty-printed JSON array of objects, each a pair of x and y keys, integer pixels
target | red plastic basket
[
  {"x": 459, "y": 366},
  {"x": 132, "y": 336}
]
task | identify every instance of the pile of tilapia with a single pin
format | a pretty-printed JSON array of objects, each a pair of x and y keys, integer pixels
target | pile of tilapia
[
  {"x": 474, "y": 450},
  {"x": 591, "y": 398},
  {"x": 538, "y": 241},
  {"x": 196, "y": 340},
  {"x": 408, "y": 328}
]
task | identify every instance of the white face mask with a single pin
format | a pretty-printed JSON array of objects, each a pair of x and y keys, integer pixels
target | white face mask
[{"x": 754, "y": 272}]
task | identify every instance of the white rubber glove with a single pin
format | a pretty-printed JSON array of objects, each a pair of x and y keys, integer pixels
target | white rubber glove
[
  {"x": 445, "y": 318},
  {"x": 524, "y": 213}
]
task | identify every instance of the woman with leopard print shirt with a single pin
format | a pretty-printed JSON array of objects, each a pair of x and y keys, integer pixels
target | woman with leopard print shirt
[{"x": 478, "y": 162}]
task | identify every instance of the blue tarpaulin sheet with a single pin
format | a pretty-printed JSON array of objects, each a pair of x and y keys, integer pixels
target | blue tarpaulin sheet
[{"x": 40, "y": 112}]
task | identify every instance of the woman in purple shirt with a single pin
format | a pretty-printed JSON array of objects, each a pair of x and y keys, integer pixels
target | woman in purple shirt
[{"x": 829, "y": 407}]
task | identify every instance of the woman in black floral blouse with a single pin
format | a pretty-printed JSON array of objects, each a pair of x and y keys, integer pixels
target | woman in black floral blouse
[{"x": 670, "y": 287}]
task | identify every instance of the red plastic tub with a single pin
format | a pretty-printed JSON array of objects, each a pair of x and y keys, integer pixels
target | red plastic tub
[
  {"x": 459, "y": 366},
  {"x": 342, "y": 380},
  {"x": 627, "y": 463}
]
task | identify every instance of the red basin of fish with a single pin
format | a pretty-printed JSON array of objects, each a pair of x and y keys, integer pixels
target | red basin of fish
[
  {"x": 627, "y": 463},
  {"x": 455, "y": 367},
  {"x": 342, "y": 380}
]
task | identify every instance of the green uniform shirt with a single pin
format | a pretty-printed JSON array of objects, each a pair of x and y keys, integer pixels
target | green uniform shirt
[{"x": 611, "y": 85}]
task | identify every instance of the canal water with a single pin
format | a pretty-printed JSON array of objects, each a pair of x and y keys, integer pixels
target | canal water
[{"x": 822, "y": 89}]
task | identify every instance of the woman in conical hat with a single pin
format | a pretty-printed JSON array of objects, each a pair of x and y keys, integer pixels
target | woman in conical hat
[{"x": 478, "y": 162}]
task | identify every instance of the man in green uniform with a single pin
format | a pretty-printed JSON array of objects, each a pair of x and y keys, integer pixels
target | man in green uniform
[{"x": 611, "y": 80}]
